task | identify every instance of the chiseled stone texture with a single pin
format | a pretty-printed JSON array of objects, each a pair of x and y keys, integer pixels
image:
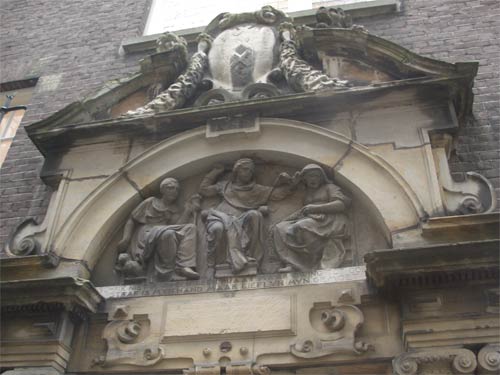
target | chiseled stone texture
[{"x": 73, "y": 47}]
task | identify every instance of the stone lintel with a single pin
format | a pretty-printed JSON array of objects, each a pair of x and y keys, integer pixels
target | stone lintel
[{"x": 439, "y": 265}]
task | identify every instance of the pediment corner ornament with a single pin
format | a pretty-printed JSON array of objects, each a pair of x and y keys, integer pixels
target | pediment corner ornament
[
  {"x": 24, "y": 241},
  {"x": 338, "y": 334},
  {"x": 439, "y": 361}
]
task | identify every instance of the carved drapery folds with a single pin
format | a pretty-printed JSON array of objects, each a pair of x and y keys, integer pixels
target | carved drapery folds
[
  {"x": 159, "y": 240},
  {"x": 160, "y": 235},
  {"x": 341, "y": 324},
  {"x": 439, "y": 361}
]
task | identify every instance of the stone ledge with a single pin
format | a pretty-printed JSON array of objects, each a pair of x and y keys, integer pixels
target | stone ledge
[
  {"x": 303, "y": 17},
  {"x": 68, "y": 291},
  {"x": 232, "y": 284},
  {"x": 440, "y": 265}
]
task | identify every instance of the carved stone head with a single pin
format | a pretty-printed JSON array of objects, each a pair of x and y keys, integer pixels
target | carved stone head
[
  {"x": 243, "y": 170},
  {"x": 169, "y": 189}
]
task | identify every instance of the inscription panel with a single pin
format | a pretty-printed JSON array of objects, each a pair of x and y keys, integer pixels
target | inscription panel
[
  {"x": 235, "y": 283},
  {"x": 189, "y": 320}
]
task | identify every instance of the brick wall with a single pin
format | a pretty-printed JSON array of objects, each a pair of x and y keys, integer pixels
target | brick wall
[
  {"x": 74, "y": 47},
  {"x": 456, "y": 31}
]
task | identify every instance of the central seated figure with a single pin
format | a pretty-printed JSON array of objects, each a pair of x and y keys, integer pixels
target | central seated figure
[{"x": 235, "y": 227}]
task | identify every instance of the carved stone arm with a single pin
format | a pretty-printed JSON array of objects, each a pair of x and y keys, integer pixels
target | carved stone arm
[
  {"x": 299, "y": 74},
  {"x": 325, "y": 208},
  {"x": 184, "y": 86},
  {"x": 191, "y": 208},
  {"x": 128, "y": 231},
  {"x": 208, "y": 188}
]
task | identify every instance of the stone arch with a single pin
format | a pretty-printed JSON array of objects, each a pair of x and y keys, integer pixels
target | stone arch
[{"x": 391, "y": 199}]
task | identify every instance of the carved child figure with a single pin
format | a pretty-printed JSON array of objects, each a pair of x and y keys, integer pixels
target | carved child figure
[
  {"x": 158, "y": 231},
  {"x": 235, "y": 228}
]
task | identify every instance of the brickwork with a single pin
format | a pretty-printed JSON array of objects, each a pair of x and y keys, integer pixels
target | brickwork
[
  {"x": 455, "y": 31},
  {"x": 74, "y": 47}
]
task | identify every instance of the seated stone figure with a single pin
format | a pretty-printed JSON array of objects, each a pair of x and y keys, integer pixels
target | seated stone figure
[
  {"x": 235, "y": 228},
  {"x": 158, "y": 231},
  {"x": 312, "y": 238}
]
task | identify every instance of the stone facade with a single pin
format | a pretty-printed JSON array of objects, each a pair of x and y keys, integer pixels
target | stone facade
[
  {"x": 268, "y": 198},
  {"x": 61, "y": 44}
]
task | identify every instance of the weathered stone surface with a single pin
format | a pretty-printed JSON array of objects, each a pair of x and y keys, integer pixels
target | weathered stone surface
[
  {"x": 188, "y": 321},
  {"x": 385, "y": 139}
]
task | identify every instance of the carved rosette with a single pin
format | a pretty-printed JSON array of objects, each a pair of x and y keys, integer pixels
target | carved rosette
[
  {"x": 343, "y": 322},
  {"x": 489, "y": 359},
  {"x": 439, "y": 361}
]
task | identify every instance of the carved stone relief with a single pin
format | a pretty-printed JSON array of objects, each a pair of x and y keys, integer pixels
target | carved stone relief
[
  {"x": 162, "y": 239},
  {"x": 159, "y": 235},
  {"x": 242, "y": 369},
  {"x": 255, "y": 52},
  {"x": 336, "y": 330},
  {"x": 438, "y": 361},
  {"x": 488, "y": 359},
  {"x": 129, "y": 341}
]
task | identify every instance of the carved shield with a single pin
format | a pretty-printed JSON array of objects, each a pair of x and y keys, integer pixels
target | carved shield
[{"x": 242, "y": 55}]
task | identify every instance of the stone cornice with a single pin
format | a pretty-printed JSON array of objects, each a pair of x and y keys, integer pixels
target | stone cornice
[
  {"x": 433, "y": 266},
  {"x": 60, "y": 131},
  {"x": 67, "y": 291}
]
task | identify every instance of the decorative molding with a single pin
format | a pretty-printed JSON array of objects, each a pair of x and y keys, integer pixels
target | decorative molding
[
  {"x": 343, "y": 322},
  {"x": 241, "y": 369},
  {"x": 489, "y": 359},
  {"x": 129, "y": 343},
  {"x": 436, "y": 361},
  {"x": 474, "y": 195},
  {"x": 433, "y": 266},
  {"x": 428, "y": 330},
  {"x": 23, "y": 240},
  {"x": 70, "y": 292}
]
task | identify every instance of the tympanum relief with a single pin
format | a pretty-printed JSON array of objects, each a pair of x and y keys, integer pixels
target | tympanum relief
[{"x": 237, "y": 225}]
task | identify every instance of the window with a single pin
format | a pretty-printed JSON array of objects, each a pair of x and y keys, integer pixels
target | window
[{"x": 11, "y": 113}]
